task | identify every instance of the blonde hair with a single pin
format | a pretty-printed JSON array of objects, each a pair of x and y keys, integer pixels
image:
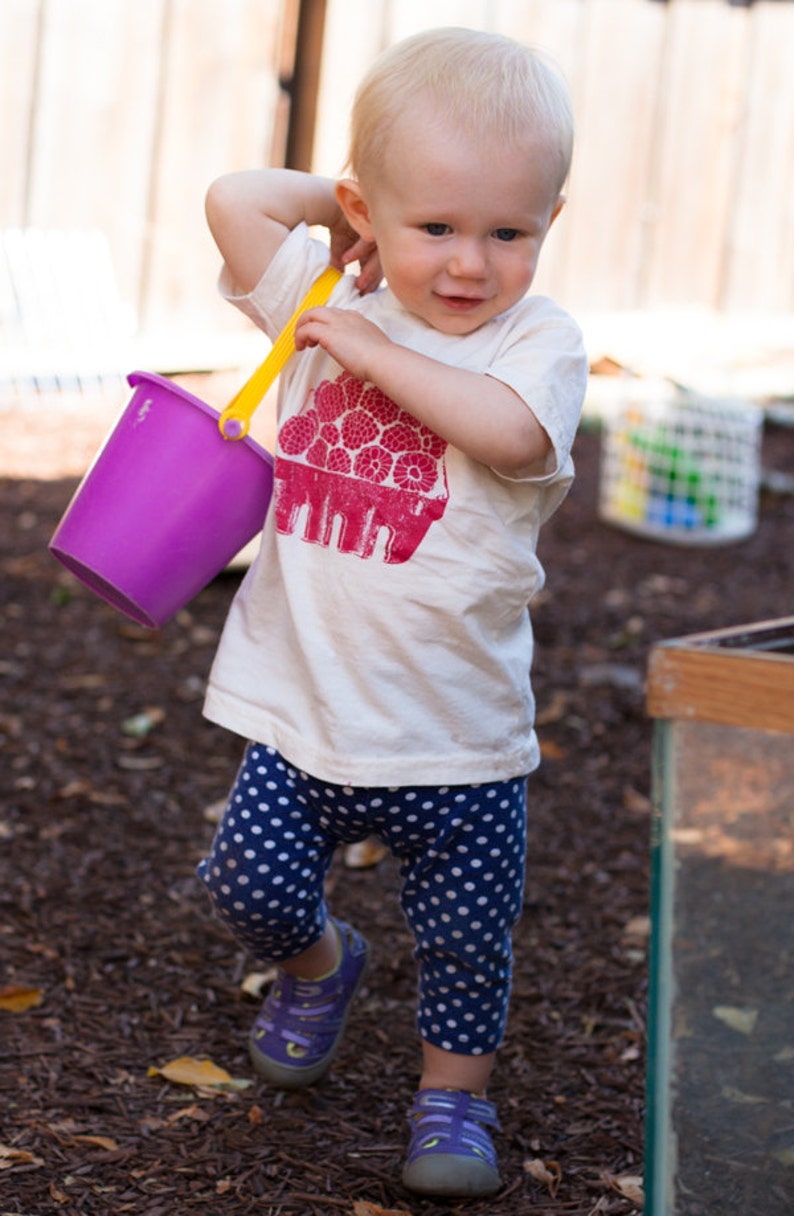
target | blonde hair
[{"x": 485, "y": 84}]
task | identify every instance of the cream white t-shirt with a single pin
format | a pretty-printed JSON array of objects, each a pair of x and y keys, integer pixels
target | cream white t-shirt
[{"x": 382, "y": 635}]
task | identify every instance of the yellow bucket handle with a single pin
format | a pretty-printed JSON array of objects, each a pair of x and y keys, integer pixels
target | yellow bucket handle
[{"x": 236, "y": 418}]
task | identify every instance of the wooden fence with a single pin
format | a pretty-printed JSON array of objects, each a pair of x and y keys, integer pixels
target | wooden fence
[
  {"x": 683, "y": 178},
  {"x": 117, "y": 113}
]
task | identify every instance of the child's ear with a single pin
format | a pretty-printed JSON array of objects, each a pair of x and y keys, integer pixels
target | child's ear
[{"x": 355, "y": 207}]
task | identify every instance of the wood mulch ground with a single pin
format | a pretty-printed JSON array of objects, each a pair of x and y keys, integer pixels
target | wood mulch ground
[{"x": 103, "y": 819}]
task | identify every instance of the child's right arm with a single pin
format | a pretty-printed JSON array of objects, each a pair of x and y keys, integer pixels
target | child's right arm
[{"x": 250, "y": 214}]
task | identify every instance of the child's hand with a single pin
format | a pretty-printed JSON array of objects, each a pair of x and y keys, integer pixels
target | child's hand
[
  {"x": 347, "y": 247},
  {"x": 370, "y": 271},
  {"x": 348, "y": 337}
]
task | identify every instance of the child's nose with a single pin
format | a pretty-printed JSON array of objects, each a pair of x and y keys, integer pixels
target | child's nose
[{"x": 468, "y": 259}]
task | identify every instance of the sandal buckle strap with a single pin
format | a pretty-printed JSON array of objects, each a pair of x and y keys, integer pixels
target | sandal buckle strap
[
  {"x": 452, "y": 1121},
  {"x": 451, "y": 1152}
]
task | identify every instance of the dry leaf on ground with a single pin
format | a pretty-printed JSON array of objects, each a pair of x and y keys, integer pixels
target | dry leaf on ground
[
  {"x": 362, "y": 1207},
  {"x": 17, "y": 999},
  {"x": 139, "y": 725},
  {"x": 186, "y": 1070},
  {"x": 9, "y": 1157},
  {"x": 364, "y": 854},
  {"x": 630, "y": 1186},
  {"x": 741, "y": 1020},
  {"x": 547, "y": 1172},
  {"x": 255, "y": 982}
]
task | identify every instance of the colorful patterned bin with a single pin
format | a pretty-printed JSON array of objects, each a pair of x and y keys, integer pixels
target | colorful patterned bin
[{"x": 679, "y": 467}]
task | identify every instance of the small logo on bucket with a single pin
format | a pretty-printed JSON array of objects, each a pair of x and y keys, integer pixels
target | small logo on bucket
[{"x": 143, "y": 411}]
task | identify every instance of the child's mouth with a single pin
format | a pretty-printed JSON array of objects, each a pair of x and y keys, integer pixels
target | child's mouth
[{"x": 462, "y": 303}]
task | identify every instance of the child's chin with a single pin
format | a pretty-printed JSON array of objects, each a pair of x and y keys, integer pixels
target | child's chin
[{"x": 458, "y": 325}]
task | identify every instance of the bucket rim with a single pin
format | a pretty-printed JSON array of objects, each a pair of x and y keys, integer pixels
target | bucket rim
[{"x": 138, "y": 377}]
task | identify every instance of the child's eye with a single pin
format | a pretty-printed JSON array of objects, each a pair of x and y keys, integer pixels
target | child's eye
[
  {"x": 436, "y": 229},
  {"x": 506, "y": 234}
]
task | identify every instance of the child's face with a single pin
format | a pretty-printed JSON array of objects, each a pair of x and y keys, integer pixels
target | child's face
[{"x": 459, "y": 226}]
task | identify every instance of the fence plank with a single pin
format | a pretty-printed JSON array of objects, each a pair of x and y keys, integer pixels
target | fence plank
[
  {"x": 118, "y": 115},
  {"x": 759, "y": 273},
  {"x": 219, "y": 104},
  {"x": 18, "y": 49},
  {"x": 355, "y": 32},
  {"x": 691, "y": 192},
  {"x": 557, "y": 30},
  {"x": 95, "y": 120},
  {"x": 410, "y": 16},
  {"x": 616, "y": 100}
]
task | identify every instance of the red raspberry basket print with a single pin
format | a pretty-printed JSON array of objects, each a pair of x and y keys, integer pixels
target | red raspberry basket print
[{"x": 353, "y": 454}]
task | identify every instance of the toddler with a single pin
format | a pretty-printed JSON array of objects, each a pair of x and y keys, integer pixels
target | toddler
[{"x": 377, "y": 654}]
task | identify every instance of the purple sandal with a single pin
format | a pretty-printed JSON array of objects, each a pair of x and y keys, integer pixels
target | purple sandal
[
  {"x": 295, "y": 1037},
  {"x": 451, "y": 1151}
]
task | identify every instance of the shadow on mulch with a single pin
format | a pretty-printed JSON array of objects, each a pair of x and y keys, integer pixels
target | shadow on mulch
[{"x": 100, "y": 832}]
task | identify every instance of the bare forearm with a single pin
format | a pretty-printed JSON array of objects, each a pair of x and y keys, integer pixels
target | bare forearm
[
  {"x": 250, "y": 214},
  {"x": 476, "y": 413}
]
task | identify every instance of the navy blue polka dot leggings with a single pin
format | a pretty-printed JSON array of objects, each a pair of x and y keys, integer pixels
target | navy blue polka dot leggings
[{"x": 461, "y": 851}]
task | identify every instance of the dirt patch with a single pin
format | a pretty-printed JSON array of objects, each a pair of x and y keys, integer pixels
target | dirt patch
[{"x": 101, "y": 828}]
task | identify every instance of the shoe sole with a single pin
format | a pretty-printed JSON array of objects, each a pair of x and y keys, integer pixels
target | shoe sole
[
  {"x": 451, "y": 1175},
  {"x": 285, "y": 1077}
]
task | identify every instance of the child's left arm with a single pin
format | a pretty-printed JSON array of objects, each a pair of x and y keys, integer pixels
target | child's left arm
[{"x": 476, "y": 413}]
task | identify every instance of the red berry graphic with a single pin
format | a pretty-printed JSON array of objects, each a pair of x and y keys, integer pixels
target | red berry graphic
[
  {"x": 297, "y": 433},
  {"x": 415, "y": 471},
  {"x": 330, "y": 433},
  {"x": 381, "y": 407},
  {"x": 339, "y": 461},
  {"x": 372, "y": 464},
  {"x": 329, "y": 400},
  {"x": 401, "y": 437},
  {"x": 352, "y": 389},
  {"x": 318, "y": 454},
  {"x": 358, "y": 428},
  {"x": 352, "y": 433},
  {"x": 432, "y": 443}
]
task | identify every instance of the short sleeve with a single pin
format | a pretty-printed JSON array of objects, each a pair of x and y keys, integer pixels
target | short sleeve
[
  {"x": 545, "y": 363},
  {"x": 297, "y": 263}
]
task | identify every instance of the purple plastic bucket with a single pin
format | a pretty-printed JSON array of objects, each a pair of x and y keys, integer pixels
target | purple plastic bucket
[{"x": 165, "y": 506}]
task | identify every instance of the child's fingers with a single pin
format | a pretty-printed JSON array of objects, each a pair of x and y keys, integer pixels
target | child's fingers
[
  {"x": 309, "y": 325},
  {"x": 302, "y": 335},
  {"x": 345, "y": 248},
  {"x": 370, "y": 272},
  {"x": 358, "y": 252}
]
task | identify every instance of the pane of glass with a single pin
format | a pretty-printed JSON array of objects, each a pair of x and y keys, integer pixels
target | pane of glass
[{"x": 721, "y": 1128}]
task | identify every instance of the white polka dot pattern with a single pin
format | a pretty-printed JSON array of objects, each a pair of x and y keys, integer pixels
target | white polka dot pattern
[{"x": 461, "y": 851}]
